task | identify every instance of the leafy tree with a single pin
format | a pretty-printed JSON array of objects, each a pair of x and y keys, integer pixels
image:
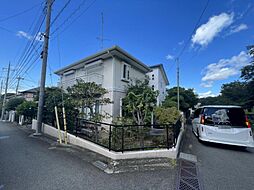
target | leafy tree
[
  {"x": 88, "y": 95},
  {"x": 247, "y": 74},
  {"x": 28, "y": 109},
  {"x": 139, "y": 101},
  {"x": 235, "y": 93},
  {"x": 217, "y": 100},
  {"x": 187, "y": 97},
  {"x": 166, "y": 115},
  {"x": 53, "y": 97},
  {"x": 13, "y": 103}
]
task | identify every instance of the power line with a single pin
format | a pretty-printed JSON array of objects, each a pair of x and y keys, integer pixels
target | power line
[
  {"x": 6, "y": 29},
  {"x": 66, "y": 27},
  {"x": 21, "y": 64},
  {"x": 28, "y": 52},
  {"x": 34, "y": 33},
  {"x": 196, "y": 26},
  {"x": 73, "y": 13},
  {"x": 19, "y": 13},
  {"x": 60, "y": 12},
  {"x": 36, "y": 60}
]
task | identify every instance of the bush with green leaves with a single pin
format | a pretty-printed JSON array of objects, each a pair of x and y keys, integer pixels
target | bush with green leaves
[
  {"x": 55, "y": 97},
  {"x": 166, "y": 115},
  {"x": 28, "y": 109},
  {"x": 139, "y": 102},
  {"x": 88, "y": 95},
  {"x": 13, "y": 103}
]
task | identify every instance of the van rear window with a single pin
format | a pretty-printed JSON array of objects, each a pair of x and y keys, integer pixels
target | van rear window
[{"x": 234, "y": 117}]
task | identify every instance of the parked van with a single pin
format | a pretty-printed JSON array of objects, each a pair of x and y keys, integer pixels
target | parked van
[{"x": 222, "y": 124}]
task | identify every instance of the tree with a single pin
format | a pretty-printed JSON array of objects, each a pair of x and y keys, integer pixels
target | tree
[
  {"x": 166, "y": 115},
  {"x": 139, "y": 101},
  {"x": 188, "y": 99},
  {"x": 217, "y": 100},
  {"x": 235, "y": 93},
  {"x": 88, "y": 95},
  {"x": 53, "y": 97},
  {"x": 28, "y": 109},
  {"x": 13, "y": 103},
  {"x": 247, "y": 74}
]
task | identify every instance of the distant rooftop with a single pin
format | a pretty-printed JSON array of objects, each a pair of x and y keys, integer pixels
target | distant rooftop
[{"x": 32, "y": 90}]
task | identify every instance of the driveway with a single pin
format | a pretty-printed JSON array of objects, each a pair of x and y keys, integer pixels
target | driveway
[
  {"x": 31, "y": 163},
  {"x": 221, "y": 167}
]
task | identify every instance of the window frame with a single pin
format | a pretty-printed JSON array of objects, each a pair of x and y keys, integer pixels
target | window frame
[{"x": 125, "y": 74}]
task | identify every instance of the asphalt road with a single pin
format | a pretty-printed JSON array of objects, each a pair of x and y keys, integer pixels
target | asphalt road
[
  {"x": 32, "y": 163},
  {"x": 221, "y": 167}
]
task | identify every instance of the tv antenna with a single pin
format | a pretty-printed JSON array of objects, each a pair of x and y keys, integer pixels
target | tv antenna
[{"x": 101, "y": 38}]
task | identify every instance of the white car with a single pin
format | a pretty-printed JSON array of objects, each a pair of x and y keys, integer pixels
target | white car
[{"x": 222, "y": 124}]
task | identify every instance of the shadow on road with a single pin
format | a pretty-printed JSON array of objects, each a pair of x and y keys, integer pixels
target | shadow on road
[{"x": 224, "y": 146}]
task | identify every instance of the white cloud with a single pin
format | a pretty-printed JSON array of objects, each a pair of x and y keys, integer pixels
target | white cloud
[
  {"x": 238, "y": 28},
  {"x": 207, "y": 94},
  {"x": 224, "y": 69},
  {"x": 170, "y": 57},
  {"x": 207, "y": 84},
  {"x": 208, "y": 31},
  {"x": 23, "y": 34}
]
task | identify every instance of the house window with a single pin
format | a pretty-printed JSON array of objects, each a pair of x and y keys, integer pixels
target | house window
[
  {"x": 153, "y": 87},
  {"x": 152, "y": 76},
  {"x": 126, "y": 72}
]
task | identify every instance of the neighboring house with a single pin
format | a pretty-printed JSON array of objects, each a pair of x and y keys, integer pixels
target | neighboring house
[
  {"x": 158, "y": 81},
  {"x": 112, "y": 68},
  {"x": 29, "y": 94},
  {"x": 8, "y": 96}
]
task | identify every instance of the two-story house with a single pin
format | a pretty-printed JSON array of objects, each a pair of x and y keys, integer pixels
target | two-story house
[
  {"x": 158, "y": 81},
  {"x": 113, "y": 69}
]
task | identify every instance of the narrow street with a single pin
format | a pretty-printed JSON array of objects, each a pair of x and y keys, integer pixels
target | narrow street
[
  {"x": 221, "y": 167},
  {"x": 31, "y": 163}
]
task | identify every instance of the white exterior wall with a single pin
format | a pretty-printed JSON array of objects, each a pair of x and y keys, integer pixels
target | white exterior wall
[
  {"x": 159, "y": 84},
  {"x": 108, "y": 73},
  {"x": 89, "y": 73},
  {"x": 121, "y": 85}
]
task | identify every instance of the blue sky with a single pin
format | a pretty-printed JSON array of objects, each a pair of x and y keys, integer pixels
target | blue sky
[{"x": 154, "y": 31}]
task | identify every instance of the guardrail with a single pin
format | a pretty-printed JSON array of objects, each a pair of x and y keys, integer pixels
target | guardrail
[{"x": 120, "y": 138}]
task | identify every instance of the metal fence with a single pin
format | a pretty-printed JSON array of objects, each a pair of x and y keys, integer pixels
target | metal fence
[{"x": 122, "y": 138}]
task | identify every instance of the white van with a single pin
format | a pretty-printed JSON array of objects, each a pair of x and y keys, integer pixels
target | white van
[{"x": 223, "y": 124}]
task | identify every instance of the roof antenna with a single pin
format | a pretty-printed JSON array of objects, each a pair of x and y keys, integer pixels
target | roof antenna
[{"x": 101, "y": 38}]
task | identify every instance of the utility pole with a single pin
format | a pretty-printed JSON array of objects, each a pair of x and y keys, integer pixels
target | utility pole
[
  {"x": 43, "y": 69},
  {"x": 17, "y": 88},
  {"x": 177, "y": 78},
  {"x": 6, "y": 87}
]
